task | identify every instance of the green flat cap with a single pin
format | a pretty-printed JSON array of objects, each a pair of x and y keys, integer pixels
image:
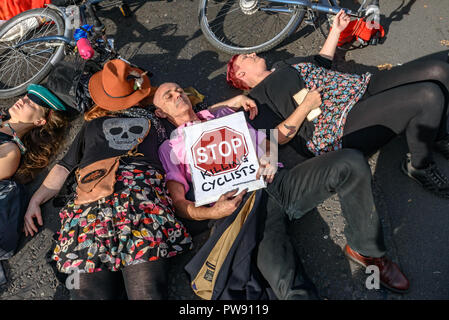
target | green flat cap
[{"x": 43, "y": 97}]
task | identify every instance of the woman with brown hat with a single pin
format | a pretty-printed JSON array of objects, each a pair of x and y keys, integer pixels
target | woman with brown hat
[{"x": 124, "y": 234}]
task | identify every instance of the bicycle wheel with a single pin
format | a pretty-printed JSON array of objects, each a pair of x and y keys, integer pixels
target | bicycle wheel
[
  {"x": 29, "y": 63},
  {"x": 244, "y": 26}
]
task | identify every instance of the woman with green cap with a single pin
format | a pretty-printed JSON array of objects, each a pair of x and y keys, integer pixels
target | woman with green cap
[{"x": 30, "y": 134}]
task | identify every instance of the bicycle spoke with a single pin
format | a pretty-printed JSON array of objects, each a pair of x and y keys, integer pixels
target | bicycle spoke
[
  {"x": 20, "y": 65},
  {"x": 229, "y": 23}
]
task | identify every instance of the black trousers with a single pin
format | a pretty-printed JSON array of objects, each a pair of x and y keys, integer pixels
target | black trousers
[
  {"x": 298, "y": 190},
  {"x": 143, "y": 281},
  {"x": 411, "y": 99}
]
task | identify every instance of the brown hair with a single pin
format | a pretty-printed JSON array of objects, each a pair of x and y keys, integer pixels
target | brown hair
[
  {"x": 41, "y": 143},
  {"x": 97, "y": 112}
]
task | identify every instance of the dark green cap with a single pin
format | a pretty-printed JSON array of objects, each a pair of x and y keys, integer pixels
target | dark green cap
[{"x": 43, "y": 97}]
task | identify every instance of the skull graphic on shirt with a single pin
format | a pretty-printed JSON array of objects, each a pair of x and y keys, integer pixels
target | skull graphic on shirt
[{"x": 123, "y": 133}]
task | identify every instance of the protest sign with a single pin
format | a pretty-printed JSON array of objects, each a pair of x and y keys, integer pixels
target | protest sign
[{"x": 222, "y": 157}]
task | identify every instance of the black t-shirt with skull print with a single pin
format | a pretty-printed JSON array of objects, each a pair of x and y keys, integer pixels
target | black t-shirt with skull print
[{"x": 108, "y": 137}]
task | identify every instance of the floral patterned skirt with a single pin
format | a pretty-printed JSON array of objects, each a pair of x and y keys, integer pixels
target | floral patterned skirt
[
  {"x": 133, "y": 225},
  {"x": 341, "y": 91}
]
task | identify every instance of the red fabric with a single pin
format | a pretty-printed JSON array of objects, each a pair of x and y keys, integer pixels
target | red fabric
[
  {"x": 10, "y": 8},
  {"x": 358, "y": 29}
]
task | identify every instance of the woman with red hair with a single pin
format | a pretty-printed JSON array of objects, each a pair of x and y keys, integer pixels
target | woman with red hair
[{"x": 363, "y": 112}]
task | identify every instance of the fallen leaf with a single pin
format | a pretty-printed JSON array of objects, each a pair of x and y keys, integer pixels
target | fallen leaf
[
  {"x": 386, "y": 66},
  {"x": 425, "y": 6},
  {"x": 445, "y": 43}
]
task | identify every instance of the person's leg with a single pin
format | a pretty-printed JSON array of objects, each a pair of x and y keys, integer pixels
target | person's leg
[
  {"x": 415, "y": 109},
  {"x": 345, "y": 172},
  {"x": 416, "y": 71},
  {"x": 102, "y": 285},
  {"x": 411, "y": 72},
  {"x": 147, "y": 280},
  {"x": 278, "y": 260}
]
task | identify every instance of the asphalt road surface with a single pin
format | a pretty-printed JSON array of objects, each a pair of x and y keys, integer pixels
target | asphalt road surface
[{"x": 164, "y": 37}]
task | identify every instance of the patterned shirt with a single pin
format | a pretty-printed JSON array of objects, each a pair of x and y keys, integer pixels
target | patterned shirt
[{"x": 341, "y": 91}]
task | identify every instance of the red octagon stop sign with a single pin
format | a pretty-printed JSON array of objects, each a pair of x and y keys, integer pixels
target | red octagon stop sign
[{"x": 219, "y": 151}]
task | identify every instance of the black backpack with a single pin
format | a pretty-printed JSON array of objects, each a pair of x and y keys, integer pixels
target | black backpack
[{"x": 69, "y": 82}]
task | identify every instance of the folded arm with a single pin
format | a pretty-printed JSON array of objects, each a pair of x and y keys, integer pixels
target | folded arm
[
  {"x": 237, "y": 102},
  {"x": 288, "y": 128}
]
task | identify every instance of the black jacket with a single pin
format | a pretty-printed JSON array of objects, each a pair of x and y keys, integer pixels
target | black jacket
[{"x": 238, "y": 277}]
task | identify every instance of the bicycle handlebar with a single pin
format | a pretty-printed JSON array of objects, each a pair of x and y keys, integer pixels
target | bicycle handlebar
[{"x": 98, "y": 26}]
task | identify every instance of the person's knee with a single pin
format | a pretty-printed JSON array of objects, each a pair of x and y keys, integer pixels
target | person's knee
[
  {"x": 433, "y": 96},
  {"x": 352, "y": 162},
  {"x": 439, "y": 71},
  {"x": 147, "y": 281}
]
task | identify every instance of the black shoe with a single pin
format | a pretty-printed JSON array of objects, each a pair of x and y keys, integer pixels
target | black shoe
[
  {"x": 431, "y": 178},
  {"x": 442, "y": 146}
]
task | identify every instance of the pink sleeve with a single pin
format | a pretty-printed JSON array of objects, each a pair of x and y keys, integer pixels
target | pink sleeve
[{"x": 173, "y": 166}]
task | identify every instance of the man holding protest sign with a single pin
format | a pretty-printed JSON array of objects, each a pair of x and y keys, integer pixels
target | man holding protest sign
[{"x": 292, "y": 192}]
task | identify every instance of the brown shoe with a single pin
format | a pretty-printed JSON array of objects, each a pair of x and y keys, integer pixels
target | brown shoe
[{"x": 391, "y": 276}]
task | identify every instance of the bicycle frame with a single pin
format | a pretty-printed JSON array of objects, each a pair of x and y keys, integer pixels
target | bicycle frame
[
  {"x": 67, "y": 38},
  {"x": 322, "y": 6}
]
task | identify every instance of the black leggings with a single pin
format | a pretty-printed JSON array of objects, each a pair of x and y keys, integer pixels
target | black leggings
[
  {"x": 412, "y": 98},
  {"x": 143, "y": 281}
]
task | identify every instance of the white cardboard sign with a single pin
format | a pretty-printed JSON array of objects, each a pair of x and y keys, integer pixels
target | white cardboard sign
[{"x": 222, "y": 157}]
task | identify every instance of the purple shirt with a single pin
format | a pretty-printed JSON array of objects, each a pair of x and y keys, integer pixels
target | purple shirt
[{"x": 172, "y": 152}]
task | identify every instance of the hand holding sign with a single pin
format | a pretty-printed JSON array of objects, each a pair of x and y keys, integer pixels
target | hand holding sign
[
  {"x": 227, "y": 203},
  {"x": 222, "y": 157}
]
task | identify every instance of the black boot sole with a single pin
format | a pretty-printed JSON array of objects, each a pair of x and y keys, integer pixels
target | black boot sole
[{"x": 405, "y": 171}]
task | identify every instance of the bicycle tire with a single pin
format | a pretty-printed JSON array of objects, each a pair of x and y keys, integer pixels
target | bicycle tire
[
  {"x": 22, "y": 57},
  {"x": 292, "y": 24}
]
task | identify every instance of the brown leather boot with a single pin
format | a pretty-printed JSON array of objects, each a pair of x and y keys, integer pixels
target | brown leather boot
[{"x": 391, "y": 276}]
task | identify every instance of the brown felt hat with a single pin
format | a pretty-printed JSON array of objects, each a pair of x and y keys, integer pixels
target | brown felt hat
[{"x": 114, "y": 88}]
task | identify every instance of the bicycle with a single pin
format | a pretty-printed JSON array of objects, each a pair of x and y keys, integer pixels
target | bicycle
[
  {"x": 245, "y": 26},
  {"x": 32, "y": 42}
]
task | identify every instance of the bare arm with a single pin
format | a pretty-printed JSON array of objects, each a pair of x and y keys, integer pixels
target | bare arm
[
  {"x": 49, "y": 188},
  {"x": 226, "y": 205},
  {"x": 9, "y": 161},
  {"x": 288, "y": 128},
  {"x": 341, "y": 21},
  {"x": 51, "y": 185},
  {"x": 240, "y": 101}
]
